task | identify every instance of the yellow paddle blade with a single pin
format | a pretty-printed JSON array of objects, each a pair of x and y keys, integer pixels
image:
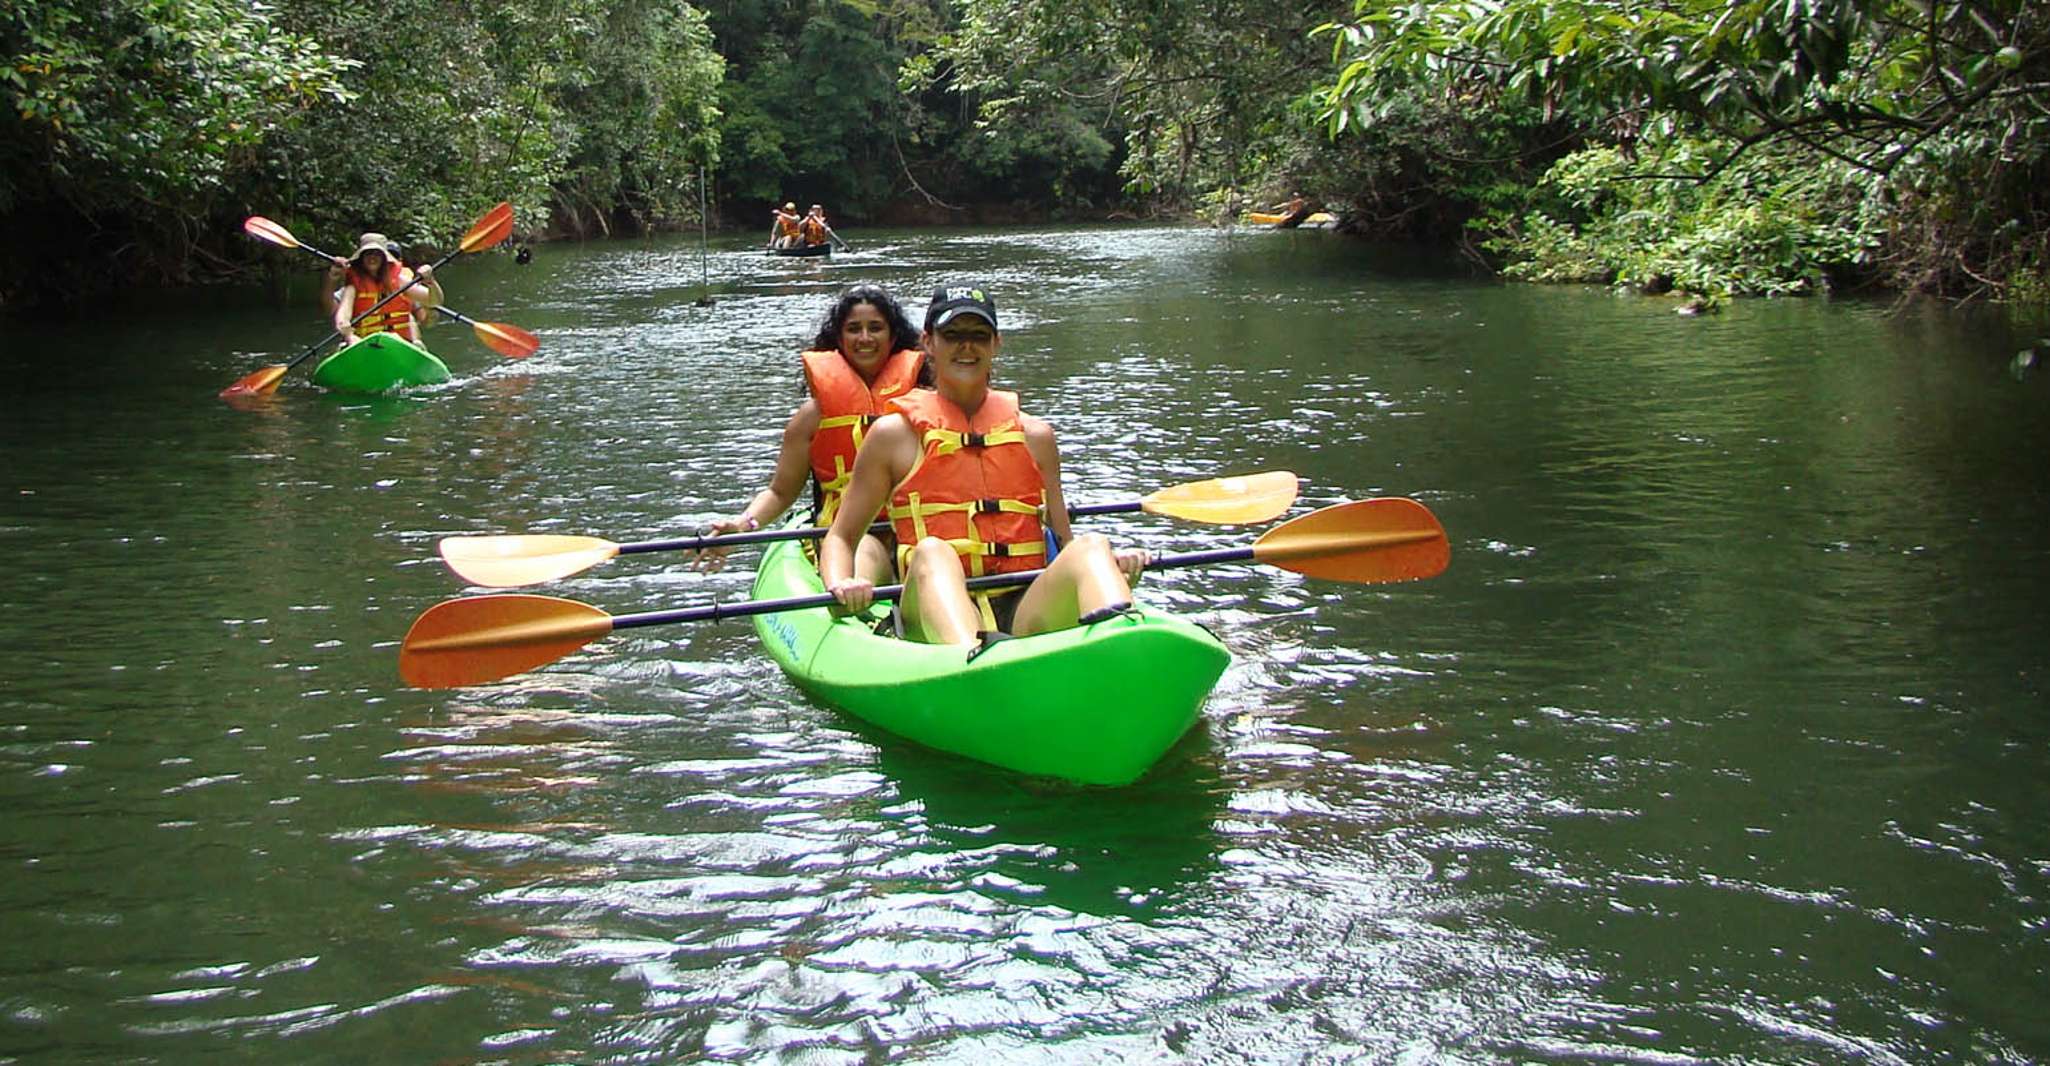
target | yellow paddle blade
[
  {"x": 506, "y": 562},
  {"x": 258, "y": 383},
  {"x": 492, "y": 228},
  {"x": 264, "y": 229},
  {"x": 484, "y": 638},
  {"x": 1369, "y": 541},
  {"x": 1226, "y": 500},
  {"x": 507, "y": 339}
]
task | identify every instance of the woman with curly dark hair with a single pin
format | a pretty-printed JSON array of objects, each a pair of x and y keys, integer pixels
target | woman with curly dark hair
[{"x": 864, "y": 353}]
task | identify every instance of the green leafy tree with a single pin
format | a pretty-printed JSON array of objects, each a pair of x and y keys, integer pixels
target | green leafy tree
[
  {"x": 1200, "y": 93},
  {"x": 157, "y": 125},
  {"x": 123, "y": 119},
  {"x": 1940, "y": 108},
  {"x": 588, "y": 113},
  {"x": 840, "y": 102}
]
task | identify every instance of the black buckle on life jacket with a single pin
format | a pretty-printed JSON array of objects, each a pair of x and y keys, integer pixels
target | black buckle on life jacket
[
  {"x": 988, "y": 506},
  {"x": 998, "y": 550},
  {"x": 974, "y": 440}
]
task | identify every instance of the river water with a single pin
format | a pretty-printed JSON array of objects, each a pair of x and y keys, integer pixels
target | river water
[{"x": 1722, "y": 739}]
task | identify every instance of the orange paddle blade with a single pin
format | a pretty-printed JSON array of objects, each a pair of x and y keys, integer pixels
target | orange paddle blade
[
  {"x": 507, "y": 339},
  {"x": 1226, "y": 500},
  {"x": 484, "y": 638},
  {"x": 264, "y": 229},
  {"x": 492, "y": 228},
  {"x": 509, "y": 561},
  {"x": 1368, "y": 541},
  {"x": 258, "y": 383}
]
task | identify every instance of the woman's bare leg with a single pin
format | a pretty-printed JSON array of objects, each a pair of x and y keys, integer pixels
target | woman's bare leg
[
  {"x": 872, "y": 561},
  {"x": 1084, "y": 577},
  {"x": 937, "y": 607}
]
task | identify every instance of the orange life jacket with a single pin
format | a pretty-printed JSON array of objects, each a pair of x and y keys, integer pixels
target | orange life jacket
[
  {"x": 847, "y": 407},
  {"x": 975, "y": 484},
  {"x": 394, "y": 317},
  {"x": 813, "y": 230},
  {"x": 786, "y": 225}
]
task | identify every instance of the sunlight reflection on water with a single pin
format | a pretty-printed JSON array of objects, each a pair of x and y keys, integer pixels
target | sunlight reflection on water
[{"x": 1719, "y": 741}]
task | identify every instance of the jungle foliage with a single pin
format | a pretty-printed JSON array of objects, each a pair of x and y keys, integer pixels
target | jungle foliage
[
  {"x": 1753, "y": 146},
  {"x": 1721, "y": 146},
  {"x": 138, "y": 133}
]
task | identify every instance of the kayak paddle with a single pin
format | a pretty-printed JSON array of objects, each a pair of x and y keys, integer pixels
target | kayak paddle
[
  {"x": 502, "y": 337},
  {"x": 490, "y": 228},
  {"x": 513, "y": 560},
  {"x": 477, "y": 639}
]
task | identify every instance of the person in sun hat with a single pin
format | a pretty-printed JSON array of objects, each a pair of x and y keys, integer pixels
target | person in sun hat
[
  {"x": 972, "y": 485},
  {"x": 373, "y": 272},
  {"x": 338, "y": 266}
]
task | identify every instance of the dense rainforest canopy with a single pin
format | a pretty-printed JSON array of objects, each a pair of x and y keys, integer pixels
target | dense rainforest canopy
[{"x": 1713, "y": 146}]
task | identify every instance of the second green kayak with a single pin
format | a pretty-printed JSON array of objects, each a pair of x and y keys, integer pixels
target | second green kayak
[
  {"x": 378, "y": 363},
  {"x": 1096, "y": 704}
]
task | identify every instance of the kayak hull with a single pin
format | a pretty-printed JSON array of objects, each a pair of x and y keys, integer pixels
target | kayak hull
[
  {"x": 379, "y": 362},
  {"x": 1096, "y": 704},
  {"x": 805, "y": 250}
]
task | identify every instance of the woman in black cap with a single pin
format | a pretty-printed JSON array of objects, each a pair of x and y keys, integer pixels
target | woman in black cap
[{"x": 969, "y": 479}]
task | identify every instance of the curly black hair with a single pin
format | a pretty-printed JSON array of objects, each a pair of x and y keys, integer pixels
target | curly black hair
[{"x": 902, "y": 333}]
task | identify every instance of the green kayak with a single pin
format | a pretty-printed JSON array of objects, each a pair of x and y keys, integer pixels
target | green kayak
[
  {"x": 378, "y": 363},
  {"x": 1096, "y": 704}
]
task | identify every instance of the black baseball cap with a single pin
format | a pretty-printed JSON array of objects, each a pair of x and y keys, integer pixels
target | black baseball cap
[{"x": 950, "y": 302}]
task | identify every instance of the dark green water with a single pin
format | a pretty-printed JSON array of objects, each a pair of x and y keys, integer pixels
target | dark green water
[{"x": 1723, "y": 739}]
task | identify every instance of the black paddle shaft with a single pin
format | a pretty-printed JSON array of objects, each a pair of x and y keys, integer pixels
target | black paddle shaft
[
  {"x": 715, "y": 611},
  {"x": 769, "y": 536},
  {"x": 374, "y": 308}
]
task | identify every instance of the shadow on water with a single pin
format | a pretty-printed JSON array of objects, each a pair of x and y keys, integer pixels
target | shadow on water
[
  {"x": 1125, "y": 852},
  {"x": 388, "y": 407}
]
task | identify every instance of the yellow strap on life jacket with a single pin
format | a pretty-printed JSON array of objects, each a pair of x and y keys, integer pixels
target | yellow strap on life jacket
[
  {"x": 987, "y": 613},
  {"x": 972, "y": 549},
  {"x": 383, "y": 321},
  {"x": 835, "y": 487},
  {"x": 948, "y": 441}
]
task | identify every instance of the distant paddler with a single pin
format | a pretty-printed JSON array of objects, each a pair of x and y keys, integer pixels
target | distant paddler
[
  {"x": 785, "y": 227},
  {"x": 817, "y": 230},
  {"x": 812, "y": 229}
]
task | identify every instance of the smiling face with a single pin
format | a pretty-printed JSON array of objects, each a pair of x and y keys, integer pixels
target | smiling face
[
  {"x": 865, "y": 339},
  {"x": 962, "y": 353}
]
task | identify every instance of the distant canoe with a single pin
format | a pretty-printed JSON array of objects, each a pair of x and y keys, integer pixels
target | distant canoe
[{"x": 804, "y": 250}]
